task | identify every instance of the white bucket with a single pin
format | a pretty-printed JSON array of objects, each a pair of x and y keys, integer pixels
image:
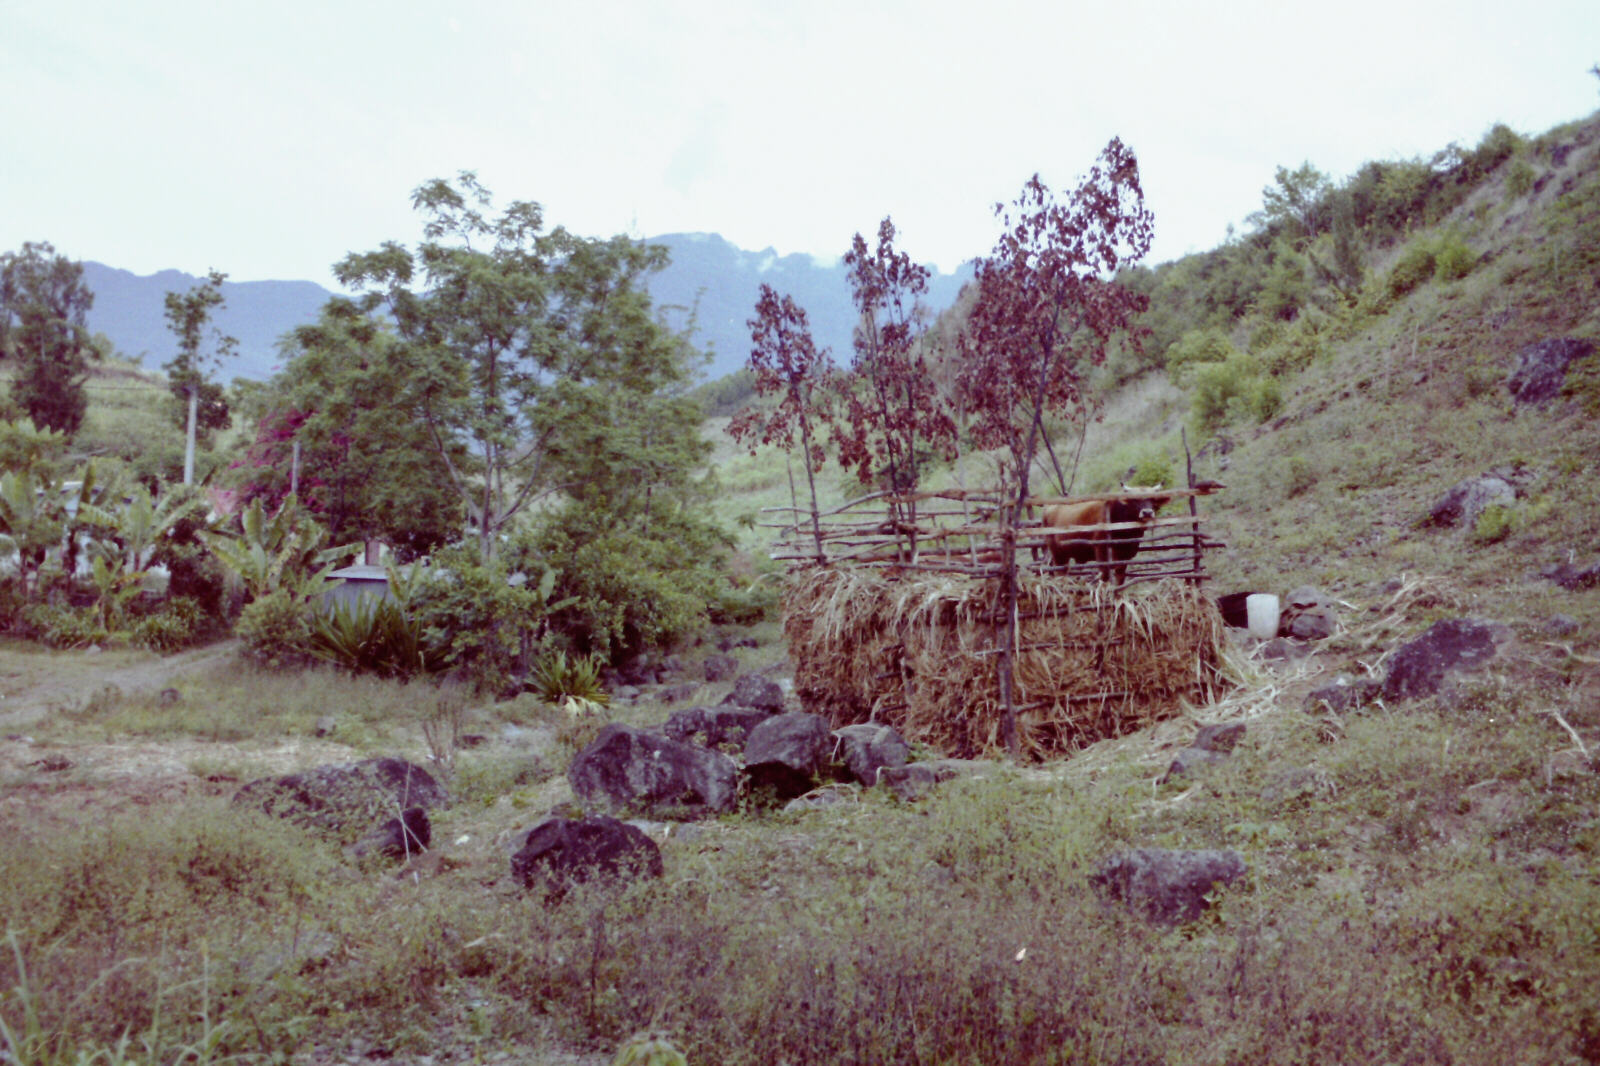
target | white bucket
[{"x": 1262, "y": 611}]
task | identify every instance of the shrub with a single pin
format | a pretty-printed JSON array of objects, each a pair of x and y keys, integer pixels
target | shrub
[
  {"x": 1415, "y": 267},
  {"x": 1198, "y": 346},
  {"x": 475, "y": 619},
  {"x": 1453, "y": 259},
  {"x": 276, "y": 629},
  {"x": 558, "y": 677},
  {"x": 624, "y": 588},
  {"x": 1233, "y": 391},
  {"x": 169, "y": 627},
  {"x": 63, "y": 627},
  {"x": 1494, "y": 524},
  {"x": 372, "y": 636},
  {"x": 1520, "y": 178}
]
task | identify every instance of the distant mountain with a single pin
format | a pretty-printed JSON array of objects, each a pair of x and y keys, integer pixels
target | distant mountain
[
  {"x": 726, "y": 280},
  {"x": 707, "y": 273}
]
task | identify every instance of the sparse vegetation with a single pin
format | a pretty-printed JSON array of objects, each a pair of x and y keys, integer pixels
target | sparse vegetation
[{"x": 1424, "y": 877}]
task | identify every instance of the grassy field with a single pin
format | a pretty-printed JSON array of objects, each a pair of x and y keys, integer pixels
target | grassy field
[{"x": 1424, "y": 878}]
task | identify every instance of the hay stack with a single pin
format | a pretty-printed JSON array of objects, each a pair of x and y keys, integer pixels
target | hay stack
[{"x": 921, "y": 654}]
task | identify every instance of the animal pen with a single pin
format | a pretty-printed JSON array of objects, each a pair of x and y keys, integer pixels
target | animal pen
[{"x": 931, "y": 612}]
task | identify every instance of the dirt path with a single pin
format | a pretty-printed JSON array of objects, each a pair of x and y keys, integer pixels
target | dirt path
[{"x": 34, "y": 683}]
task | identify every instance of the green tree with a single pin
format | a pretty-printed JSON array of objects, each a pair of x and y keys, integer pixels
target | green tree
[
  {"x": 188, "y": 314},
  {"x": 43, "y": 308},
  {"x": 335, "y": 427},
  {"x": 1299, "y": 207},
  {"x": 511, "y": 338}
]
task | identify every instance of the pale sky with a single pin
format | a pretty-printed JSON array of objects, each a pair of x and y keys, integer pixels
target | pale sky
[{"x": 268, "y": 140}]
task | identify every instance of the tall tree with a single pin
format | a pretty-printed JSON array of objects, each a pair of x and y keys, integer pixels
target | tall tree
[
  {"x": 1048, "y": 307},
  {"x": 43, "y": 307},
  {"x": 188, "y": 314},
  {"x": 895, "y": 413},
  {"x": 512, "y": 337},
  {"x": 787, "y": 363},
  {"x": 334, "y": 427}
]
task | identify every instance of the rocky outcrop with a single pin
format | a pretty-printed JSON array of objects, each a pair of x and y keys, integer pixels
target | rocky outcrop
[
  {"x": 915, "y": 780},
  {"x": 724, "y": 727},
  {"x": 1466, "y": 501},
  {"x": 398, "y": 838},
  {"x": 753, "y": 690}
]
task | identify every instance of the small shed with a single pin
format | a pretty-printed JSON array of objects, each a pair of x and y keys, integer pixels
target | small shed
[{"x": 354, "y": 583}]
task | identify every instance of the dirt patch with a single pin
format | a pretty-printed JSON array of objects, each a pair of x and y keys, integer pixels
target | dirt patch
[{"x": 36, "y": 681}]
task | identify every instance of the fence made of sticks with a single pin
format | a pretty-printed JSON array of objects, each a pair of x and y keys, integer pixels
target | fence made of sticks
[{"x": 936, "y": 613}]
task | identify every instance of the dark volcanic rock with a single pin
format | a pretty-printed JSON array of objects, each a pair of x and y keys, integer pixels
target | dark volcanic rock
[
  {"x": 720, "y": 667},
  {"x": 1462, "y": 505},
  {"x": 1452, "y": 645},
  {"x": 915, "y": 780},
  {"x": 634, "y": 770},
  {"x": 787, "y": 752},
  {"x": 867, "y": 748},
  {"x": 753, "y": 690},
  {"x": 346, "y": 799},
  {"x": 1166, "y": 886},
  {"x": 398, "y": 838},
  {"x": 560, "y": 852},
  {"x": 714, "y": 727},
  {"x": 1541, "y": 368}
]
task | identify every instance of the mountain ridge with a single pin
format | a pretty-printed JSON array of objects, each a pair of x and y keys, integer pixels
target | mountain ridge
[{"x": 709, "y": 283}]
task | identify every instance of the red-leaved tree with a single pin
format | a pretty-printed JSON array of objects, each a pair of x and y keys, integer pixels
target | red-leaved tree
[
  {"x": 787, "y": 363},
  {"x": 1047, "y": 308},
  {"x": 1048, "y": 305},
  {"x": 894, "y": 414}
]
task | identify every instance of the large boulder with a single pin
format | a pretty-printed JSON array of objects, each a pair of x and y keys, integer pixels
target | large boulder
[
  {"x": 636, "y": 771},
  {"x": 1450, "y": 646},
  {"x": 1467, "y": 500},
  {"x": 787, "y": 752},
  {"x": 753, "y": 690},
  {"x": 868, "y": 748},
  {"x": 346, "y": 800},
  {"x": 1164, "y": 885},
  {"x": 1541, "y": 368},
  {"x": 561, "y": 852}
]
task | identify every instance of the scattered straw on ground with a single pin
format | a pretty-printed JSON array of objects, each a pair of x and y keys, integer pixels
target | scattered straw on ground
[{"x": 921, "y": 653}]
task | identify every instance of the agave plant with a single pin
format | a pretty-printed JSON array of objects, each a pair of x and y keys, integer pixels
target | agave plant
[
  {"x": 371, "y": 636},
  {"x": 572, "y": 682}
]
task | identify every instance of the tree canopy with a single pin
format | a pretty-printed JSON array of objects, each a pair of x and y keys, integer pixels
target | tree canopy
[
  {"x": 514, "y": 343},
  {"x": 44, "y": 305}
]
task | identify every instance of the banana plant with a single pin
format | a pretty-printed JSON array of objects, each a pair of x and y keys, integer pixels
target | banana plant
[
  {"x": 276, "y": 551},
  {"x": 116, "y": 585},
  {"x": 139, "y": 524},
  {"x": 32, "y": 519}
]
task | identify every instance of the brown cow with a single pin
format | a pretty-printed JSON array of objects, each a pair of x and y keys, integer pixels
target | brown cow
[{"x": 1115, "y": 546}]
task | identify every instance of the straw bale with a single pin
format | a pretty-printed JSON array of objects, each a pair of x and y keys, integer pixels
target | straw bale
[{"x": 920, "y": 653}]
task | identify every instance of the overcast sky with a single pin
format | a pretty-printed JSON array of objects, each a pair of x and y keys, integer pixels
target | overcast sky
[{"x": 268, "y": 140}]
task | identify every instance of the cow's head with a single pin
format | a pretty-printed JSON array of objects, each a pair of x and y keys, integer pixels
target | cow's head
[{"x": 1149, "y": 504}]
